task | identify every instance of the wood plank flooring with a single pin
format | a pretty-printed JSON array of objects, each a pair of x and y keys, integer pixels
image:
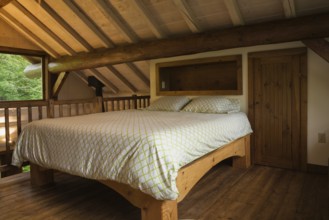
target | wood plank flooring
[{"x": 224, "y": 193}]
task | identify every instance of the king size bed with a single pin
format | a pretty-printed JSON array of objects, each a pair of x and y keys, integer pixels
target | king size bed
[{"x": 151, "y": 157}]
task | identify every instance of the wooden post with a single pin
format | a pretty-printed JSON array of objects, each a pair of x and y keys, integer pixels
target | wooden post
[
  {"x": 134, "y": 101},
  {"x": 160, "y": 210},
  {"x": 41, "y": 176},
  {"x": 243, "y": 162}
]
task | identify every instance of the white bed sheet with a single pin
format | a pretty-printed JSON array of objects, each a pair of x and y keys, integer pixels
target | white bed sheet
[{"x": 144, "y": 149}]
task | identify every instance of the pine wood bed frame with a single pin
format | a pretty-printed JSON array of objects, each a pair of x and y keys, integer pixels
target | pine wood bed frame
[{"x": 188, "y": 176}]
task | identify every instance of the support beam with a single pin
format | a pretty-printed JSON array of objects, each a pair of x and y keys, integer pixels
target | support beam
[
  {"x": 302, "y": 28},
  {"x": 61, "y": 78},
  {"x": 319, "y": 46},
  {"x": 188, "y": 16},
  {"x": 234, "y": 11}
]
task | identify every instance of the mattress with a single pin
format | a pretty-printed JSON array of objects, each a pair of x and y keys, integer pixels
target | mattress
[{"x": 144, "y": 149}]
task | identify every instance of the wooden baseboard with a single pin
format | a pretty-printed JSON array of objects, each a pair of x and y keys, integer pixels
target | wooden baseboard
[{"x": 313, "y": 168}]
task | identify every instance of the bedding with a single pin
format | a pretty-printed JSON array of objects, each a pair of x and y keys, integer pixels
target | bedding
[
  {"x": 169, "y": 103},
  {"x": 213, "y": 104},
  {"x": 144, "y": 149}
]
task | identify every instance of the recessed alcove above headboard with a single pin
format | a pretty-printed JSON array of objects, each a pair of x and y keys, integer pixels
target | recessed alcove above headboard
[{"x": 207, "y": 76}]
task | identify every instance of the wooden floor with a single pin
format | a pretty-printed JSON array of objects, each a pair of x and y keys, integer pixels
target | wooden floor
[{"x": 225, "y": 193}]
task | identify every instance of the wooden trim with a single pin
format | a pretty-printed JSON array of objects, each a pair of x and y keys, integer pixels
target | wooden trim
[
  {"x": 314, "y": 168},
  {"x": 300, "y": 28},
  {"x": 139, "y": 74},
  {"x": 123, "y": 79},
  {"x": 104, "y": 80},
  {"x": 187, "y": 177},
  {"x": 18, "y": 51},
  {"x": 303, "y": 93},
  {"x": 181, "y": 63}
]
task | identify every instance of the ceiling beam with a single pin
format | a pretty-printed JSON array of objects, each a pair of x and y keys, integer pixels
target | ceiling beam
[
  {"x": 38, "y": 23},
  {"x": 28, "y": 34},
  {"x": 139, "y": 74},
  {"x": 3, "y": 3},
  {"x": 81, "y": 76},
  {"x": 104, "y": 80},
  {"x": 146, "y": 14},
  {"x": 123, "y": 79},
  {"x": 301, "y": 28},
  {"x": 61, "y": 78},
  {"x": 289, "y": 8},
  {"x": 319, "y": 46},
  {"x": 90, "y": 23},
  {"x": 234, "y": 12},
  {"x": 115, "y": 18},
  {"x": 188, "y": 15},
  {"x": 66, "y": 26}
]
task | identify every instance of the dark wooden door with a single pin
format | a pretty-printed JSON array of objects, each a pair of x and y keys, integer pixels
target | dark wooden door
[{"x": 277, "y": 107}]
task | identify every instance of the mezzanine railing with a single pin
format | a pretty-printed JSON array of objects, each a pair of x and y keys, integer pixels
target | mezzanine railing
[{"x": 14, "y": 115}]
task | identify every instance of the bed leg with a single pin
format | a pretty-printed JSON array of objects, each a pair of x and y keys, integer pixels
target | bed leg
[
  {"x": 41, "y": 176},
  {"x": 243, "y": 162},
  {"x": 160, "y": 210}
]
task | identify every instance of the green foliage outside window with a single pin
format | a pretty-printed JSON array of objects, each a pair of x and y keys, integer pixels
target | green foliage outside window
[{"x": 14, "y": 85}]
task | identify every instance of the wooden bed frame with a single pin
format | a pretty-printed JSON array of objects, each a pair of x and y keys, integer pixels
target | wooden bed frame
[{"x": 188, "y": 176}]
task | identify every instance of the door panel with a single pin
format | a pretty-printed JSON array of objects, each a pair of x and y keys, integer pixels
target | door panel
[{"x": 276, "y": 110}]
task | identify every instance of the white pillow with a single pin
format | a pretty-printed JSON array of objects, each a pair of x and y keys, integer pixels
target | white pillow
[
  {"x": 213, "y": 104},
  {"x": 169, "y": 103}
]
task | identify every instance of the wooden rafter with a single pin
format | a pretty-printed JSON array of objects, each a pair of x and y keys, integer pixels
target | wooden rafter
[
  {"x": 105, "y": 81},
  {"x": 28, "y": 34},
  {"x": 309, "y": 27},
  {"x": 3, "y": 3},
  {"x": 234, "y": 11},
  {"x": 115, "y": 18},
  {"x": 90, "y": 23},
  {"x": 319, "y": 46},
  {"x": 289, "y": 8},
  {"x": 47, "y": 30},
  {"x": 61, "y": 78},
  {"x": 81, "y": 76},
  {"x": 123, "y": 79},
  {"x": 148, "y": 18},
  {"x": 139, "y": 74},
  {"x": 65, "y": 25},
  {"x": 188, "y": 16}
]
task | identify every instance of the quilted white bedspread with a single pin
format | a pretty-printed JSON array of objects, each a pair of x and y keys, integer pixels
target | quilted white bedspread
[{"x": 144, "y": 149}]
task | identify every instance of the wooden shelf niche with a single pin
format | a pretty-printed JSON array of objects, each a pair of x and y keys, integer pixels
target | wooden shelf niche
[{"x": 207, "y": 76}]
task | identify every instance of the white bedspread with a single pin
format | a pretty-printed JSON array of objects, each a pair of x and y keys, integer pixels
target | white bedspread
[{"x": 144, "y": 149}]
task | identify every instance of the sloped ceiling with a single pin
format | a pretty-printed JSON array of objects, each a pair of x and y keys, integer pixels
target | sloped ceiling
[{"x": 68, "y": 27}]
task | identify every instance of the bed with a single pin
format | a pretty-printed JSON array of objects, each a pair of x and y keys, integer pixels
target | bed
[{"x": 151, "y": 157}]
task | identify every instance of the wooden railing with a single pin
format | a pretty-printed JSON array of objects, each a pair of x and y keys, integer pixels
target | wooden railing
[{"x": 14, "y": 115}]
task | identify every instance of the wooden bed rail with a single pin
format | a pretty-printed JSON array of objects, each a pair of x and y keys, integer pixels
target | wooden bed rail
[
  {"x": 188, "y": 176},
  {"x": 14, "y": 115}
]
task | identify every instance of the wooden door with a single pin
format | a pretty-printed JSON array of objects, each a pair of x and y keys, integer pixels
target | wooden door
[{"x": 277, "y": 97}]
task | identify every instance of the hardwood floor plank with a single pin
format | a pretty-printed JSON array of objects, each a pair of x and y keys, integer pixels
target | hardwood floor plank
[{"x": 224, "y": 193}]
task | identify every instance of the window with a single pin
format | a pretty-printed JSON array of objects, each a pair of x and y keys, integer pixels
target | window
[{"x": 14, "y": 83}]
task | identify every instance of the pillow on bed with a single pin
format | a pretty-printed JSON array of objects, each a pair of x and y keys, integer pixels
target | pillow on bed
[
  {"x": 169, "y": 103},
  {"x": 213, "y": 104}
]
